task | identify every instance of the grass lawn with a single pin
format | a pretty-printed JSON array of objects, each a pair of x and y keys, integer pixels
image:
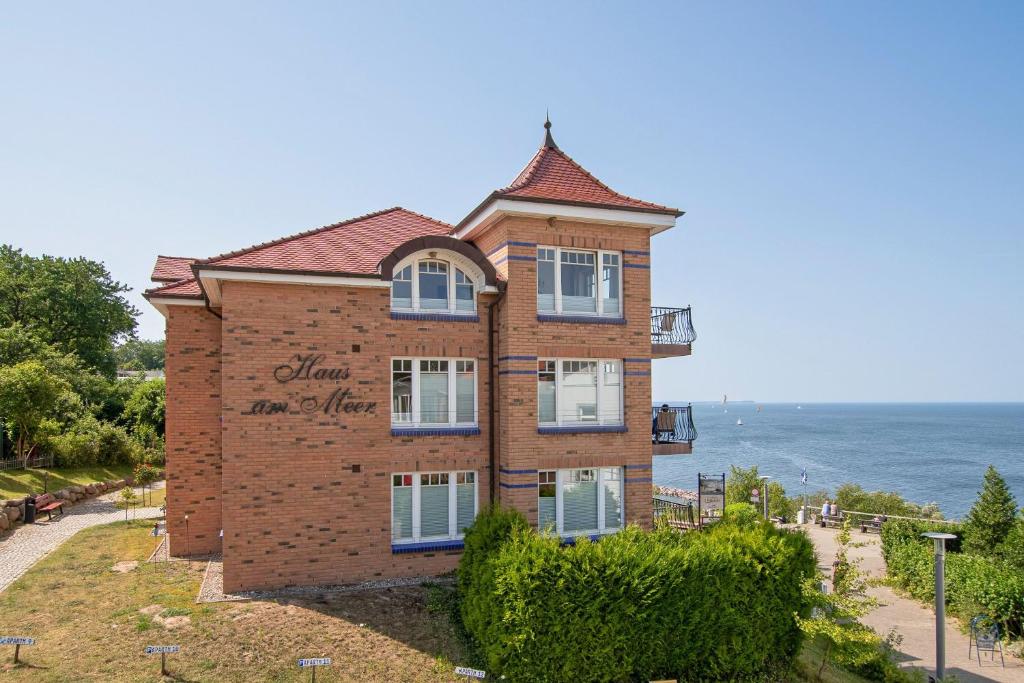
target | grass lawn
[
  {"x": 92, "y": 623},
  {"x": 18, "y": 483},
  {"x": 154, "y": 498}
]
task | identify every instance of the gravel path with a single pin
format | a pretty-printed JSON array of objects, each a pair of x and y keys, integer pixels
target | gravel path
[
  {"x": 911, "y": 619},
  {"x": 29, "y": 543}
]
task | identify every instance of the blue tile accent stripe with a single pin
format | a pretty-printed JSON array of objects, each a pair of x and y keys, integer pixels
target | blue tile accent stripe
[
  {"x": 505, "y": 471},
  {"x": 517, "y": 372},
  {"x": 591, "y": 319},
  {"x": 637, "y": 360},
  {"x": 435, "y": 431},
  {"x": 505, "y": 245},
  {"x": 638, "y": 480},
  {"x": 571, "y": 540},
  {"x": 636, "y": 265},
  {"x": 444, "y": 317},
  {"x": 583, "y": 429},
  {"x": 518, "y": 257},
  {"x": 502, "y": 359},
  {"x": 635, "y": 252},
  {"x": 637, "y": 373},
  {"x": 642, "y": 466},
  {"x": 517, "y": 486},
  {"x": 399, "y": 548}
]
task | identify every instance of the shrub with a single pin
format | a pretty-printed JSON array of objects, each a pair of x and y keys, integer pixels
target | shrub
[
  {"x": 854, "y": 497},
  {"x": 636, "y": 605},
  {"x": 742, "y": 514},
  {"x": 89, "y": 441},
  {"x": 974, "y": 583}
]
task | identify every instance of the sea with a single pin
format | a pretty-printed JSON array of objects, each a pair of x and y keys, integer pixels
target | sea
[{"x": 926, "y": 452}]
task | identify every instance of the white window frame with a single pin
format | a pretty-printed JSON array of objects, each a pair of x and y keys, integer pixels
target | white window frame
[
  {"x": 560, "y": 420},
  {"x": 453, "y": 505},
  {"x": 598, "y": 280},
  {"x": 452, "y": 261},
  {"x": 452, "y": 396},
  {"x": 561, "y": 476}
]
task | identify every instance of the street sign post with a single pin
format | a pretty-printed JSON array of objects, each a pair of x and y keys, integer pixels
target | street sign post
[
  {"x": 313, "y": 663},
  {"x": 17, "y": 642},
  {"x": 163, "y": 651}
]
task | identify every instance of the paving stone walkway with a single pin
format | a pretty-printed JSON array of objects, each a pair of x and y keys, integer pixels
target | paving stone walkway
[
  {"x": 29, "y": 543},
  {"x": 911, "y": 619}
]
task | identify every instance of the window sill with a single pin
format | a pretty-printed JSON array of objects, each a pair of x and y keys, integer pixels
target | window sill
[
  {"x": 441, "y": 317},
  {"x": 584, "y": 319},
  {"x": 426, "y": 546},
  {"x": 583, "y": 429},
  {"x": 435, "y": 431}
]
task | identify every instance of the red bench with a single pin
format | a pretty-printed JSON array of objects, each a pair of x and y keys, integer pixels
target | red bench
[{"x": 49, "y": 504}]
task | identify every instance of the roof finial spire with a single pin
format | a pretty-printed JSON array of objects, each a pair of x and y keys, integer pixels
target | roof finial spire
[{"x": 549, "y": 141}]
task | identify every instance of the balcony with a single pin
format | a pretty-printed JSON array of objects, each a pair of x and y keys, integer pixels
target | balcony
[
  {"x": 672, "y": 431},
  {"x": 671, "y": 332}
]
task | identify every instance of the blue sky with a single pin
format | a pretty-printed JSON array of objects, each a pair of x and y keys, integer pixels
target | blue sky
[{"x": 852, "y": 172}]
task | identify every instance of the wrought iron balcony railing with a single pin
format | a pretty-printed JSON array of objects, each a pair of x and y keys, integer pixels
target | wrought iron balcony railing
[
  {"x": 672, "y": 430},
  {"x": 672, "y": 326}
]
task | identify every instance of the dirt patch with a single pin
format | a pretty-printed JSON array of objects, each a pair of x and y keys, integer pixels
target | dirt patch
[
  {"x": 152, "y": 610},
  {"x": 125, "y": 567},
  {"x": 173, "y": 622}
]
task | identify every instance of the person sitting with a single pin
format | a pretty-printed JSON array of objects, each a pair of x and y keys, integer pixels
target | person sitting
[{"x": 663, "y": 425}]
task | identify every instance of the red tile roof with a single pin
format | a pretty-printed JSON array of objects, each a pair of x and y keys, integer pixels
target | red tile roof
[
  {"x": 553, "y": 175},
  {"x": 352, "y": 247},
  {"x": 186, "y": 289},
  {"x": 172, "y": 268}
]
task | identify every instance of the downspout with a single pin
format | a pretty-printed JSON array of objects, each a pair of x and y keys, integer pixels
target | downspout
[{"x": 491, "y": 401}]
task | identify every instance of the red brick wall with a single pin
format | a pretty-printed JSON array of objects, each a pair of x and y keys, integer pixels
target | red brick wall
[
  {"x": 297, "y": 511},
  {"x": 193, "y": 436},
  {"x": 521, "y": 447}
]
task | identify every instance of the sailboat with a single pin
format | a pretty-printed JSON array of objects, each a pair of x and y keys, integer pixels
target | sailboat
[
  {"x": 725, "y": 403},
  {"x": 739, "y": 423}
]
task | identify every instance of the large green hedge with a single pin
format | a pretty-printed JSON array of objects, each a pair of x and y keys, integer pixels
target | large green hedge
[
  {"x": 974, "y": 584},
  {"x": 637, "y": 605}
]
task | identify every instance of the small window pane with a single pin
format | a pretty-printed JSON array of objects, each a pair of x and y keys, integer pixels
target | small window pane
[
  {"x": 579, "y": 391},
  {"x": 466, "y": 503},
  {"x": 579, "y": 502},
  {"x": 401, "y": 511},
  {"x": 546, "y": 391},
  {"x": 578, "y": 282},
  {"x": 545, "y": 279},
  {"x": 611, "y": 393},
  {"x": 401, "y": 289},
  {"x": 434, "y": 507},
  {"x": 612, "y": 492},
  {"x": 433, "y": 285},
  {"x": 546, "y": 512},
  {"x": 401, "y": 391},
  {"x": 611, "y": 304},
  {"x": 434, "y": 392},
  {"x": 465, "y": 395}
]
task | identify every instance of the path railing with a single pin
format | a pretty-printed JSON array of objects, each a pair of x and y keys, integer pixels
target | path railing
[
  {"x": 676, "y": 514},
  {"x": 33, "y": 461}
]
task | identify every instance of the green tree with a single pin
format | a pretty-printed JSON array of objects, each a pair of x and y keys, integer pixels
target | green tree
[
  {"x": 144, "y": 475},
  {"x": 128, "y": 500},
  {"x": 740, "y": 483},
  {"x": 145, "y": 409},
  {"x": 29, "y": 398},
  {"x": 992, "y": 517},
  {"x": 1012, "y": 548},
  {"x": 71, "y": 304},
  {"x": 140, "y": 354}
]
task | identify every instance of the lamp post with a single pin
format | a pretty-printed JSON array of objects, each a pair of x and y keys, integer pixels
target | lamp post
[
  {"x": 764, "y": 487},
  {"x": 940, "y": 600}
]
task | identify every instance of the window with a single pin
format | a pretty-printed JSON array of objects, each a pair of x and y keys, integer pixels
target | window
[
  {"x": 438, "y": 287},
  {"x": 433, "y": 392},
  {"x": 567, "y": 282},
  {"x": 580, "y": 501},
  {"x": 579, "y": 392},
  {"x": 432, "y": 505}
]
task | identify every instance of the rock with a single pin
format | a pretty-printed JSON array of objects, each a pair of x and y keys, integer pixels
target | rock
[
  {"x": 90, "y": 489},
  {"x": 4, "y": 523},
  {"x": 12, "y": 514},
  {"x": 62, "y": 494},
  {"x": 77, "y": 489},
  {"x": 12, "y": 502}
]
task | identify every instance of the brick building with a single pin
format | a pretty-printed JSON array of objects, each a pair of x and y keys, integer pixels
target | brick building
[{"x": 342, "y": 402}]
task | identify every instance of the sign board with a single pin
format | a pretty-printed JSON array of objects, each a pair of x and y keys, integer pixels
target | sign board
[
  {"x": 472, "y": 673},
  {"x": 162, "y": 649},
  {"x": 16, "y": 640},
  {"x": 316, "y": 661},
  {"x": 710, "y": 495}
]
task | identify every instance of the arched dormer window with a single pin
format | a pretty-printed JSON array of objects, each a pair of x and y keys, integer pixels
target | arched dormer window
[{"x": 435, "y": 282}]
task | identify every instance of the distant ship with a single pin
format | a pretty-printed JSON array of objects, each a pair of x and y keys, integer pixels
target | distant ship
[{"x": 739, "y": 423}]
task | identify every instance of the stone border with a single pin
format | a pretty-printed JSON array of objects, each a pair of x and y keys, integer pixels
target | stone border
[{"x": 212, "y": 589}]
